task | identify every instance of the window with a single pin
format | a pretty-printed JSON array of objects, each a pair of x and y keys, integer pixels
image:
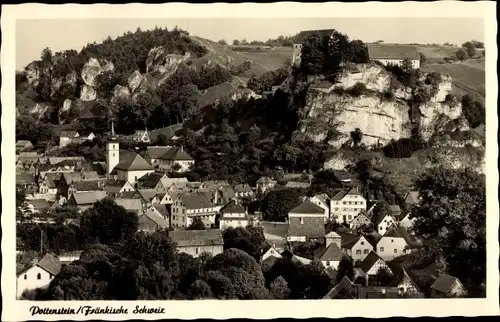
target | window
[
  {"x": 358, "y": 252},
  {"x": 327, "y": 263},
  {"x": 113, "y": 154},
  {"x": 392, "y": 240},
  {"x": 25, "y": 276},
  {"x": 38, "y": 276},
  {"x": 381, "y": 249},
  {"x": 365, "y": 251},
  {"x": 345, "y": 203},
  {"x": 362, "y": 243},
  {"x": 301, "y": 220},
  {"x": 395, "y": 251},
  {"x": 197, "y": 250},
  {"x": 51, "y": 276}
]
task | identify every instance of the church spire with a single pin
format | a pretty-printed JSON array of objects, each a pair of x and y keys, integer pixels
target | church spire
[{"x": 112, "y": 128}]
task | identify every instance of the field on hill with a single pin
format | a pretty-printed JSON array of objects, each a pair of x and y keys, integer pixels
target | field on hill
[
  {"x": 271, "y": 59},
  {"x": 468, "y": 77},
  {"x": 437, "y": 53}
]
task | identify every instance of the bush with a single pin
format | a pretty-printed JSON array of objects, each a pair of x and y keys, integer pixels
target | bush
[
  {"x": 339, "y": 90},
  {"x": 358, "y": 89},
  {"x": 388, "y": 95}
]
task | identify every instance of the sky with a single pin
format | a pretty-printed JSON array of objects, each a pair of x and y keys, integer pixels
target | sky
[{"x": 32, "y": 36}]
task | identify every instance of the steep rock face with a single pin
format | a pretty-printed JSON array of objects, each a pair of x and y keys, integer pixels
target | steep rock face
[
  {"x": 456, "y": 156},
  {"x": 244, "y": 93},
  {"x": 71, "y": 78},
  {"x": 339, "y": 161},
  {"x": 88, "y": 93},
  {"x": 64, "y": 111},
  {"x": 380, "y": 121},
  {"x": 134, "y": 80},
  {"x": 33, "y": 72},
  {"x": 373, "y": 76},
  {"x": 163, "y": 64},
  {"x": 40, "y": 110},
  {"x": 121, "y": 91},
  {"x": 93, "y": 68}
]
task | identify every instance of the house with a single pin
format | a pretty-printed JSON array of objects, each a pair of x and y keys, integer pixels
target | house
[
  {"x": 131, "y": 205},
  {"x": 394, "y": 54},
  {"x": 323, "y": 201},
  {"x": 297, "y": 185},
  {"x": 360, "y": 220},
  {"x": 160, "y": 210},
  {"x": 264, "y": 184},
  {"x": 38, "y": 275},
  {"x": 132, "y": 168},
  {"x": 346, "y": 205},
  {"x": 154, "y": 152},
  {"x": 243, "y": 190},
  {"x": 332, "y": 254},
  {"x": 47, "y": 187},
  {"x": 404, "y": 281},
  {"x": 114, "y": 187},
  {"x": 147, "y": 196},
  {"x": 411, "y": 198},
  {"x": 152, "y": 181},
  {"x": 383, "y": 223},
  {"x": 396, "y": 242},
  {"x": 300, "y": 40},
  {"x": 269, "y": 250},
  {"x": 85, "y": 200},
  {"x": 85, "y": 186},
  {"x": 357, "y": 247},
  {"x": 447, "y": 286},
  {"x": 305, "y": 222},
  {"x": 164, "y": 198},
  {"x": 35, "y": 206},
  {"x": 395, "y": 210},
  {"x": 371, "y": 266},
  {"x": 141, "y": 136},
  {"x": 233, "y": 215},
  {"x": 345, "y": 289},
  {"x": 383, "y": 292},
  {"x": 404, "y": 219},
  {"x": 188, "y": 205},
  {"x": 151, "y": 222},
  {"x": 24, "y": 180},
  {"x": 67, "y": 137},
  {"x": 196, "y": 242},
  {"x": 23, "y": 145},
  {"x": 175, "y": 159},
  {"x": 69, "y": 257}
]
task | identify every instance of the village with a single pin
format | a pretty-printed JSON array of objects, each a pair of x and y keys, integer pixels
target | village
[{"x": 143, "y": 186}]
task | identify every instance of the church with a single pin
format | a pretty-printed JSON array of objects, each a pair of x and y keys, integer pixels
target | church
[{"x": 124, "y": 165}]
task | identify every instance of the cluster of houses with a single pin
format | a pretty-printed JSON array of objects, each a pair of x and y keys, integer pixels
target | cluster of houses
[{"x": 144, "y": 185}]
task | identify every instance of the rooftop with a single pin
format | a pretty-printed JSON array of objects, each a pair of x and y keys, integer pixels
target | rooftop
[
  {"x": 307, "y": 207},
  {"x": 187, "y": 238},
  {"x": 133, "y": 163},
  {"x": 390, "y": 51}
]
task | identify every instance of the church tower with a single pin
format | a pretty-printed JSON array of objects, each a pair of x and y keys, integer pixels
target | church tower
[{"x": 112, "y": 150}]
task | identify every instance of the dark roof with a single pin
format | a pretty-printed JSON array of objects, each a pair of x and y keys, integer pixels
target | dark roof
[
  {"x": 313, "y": 227},
  {"x": 342, "y": 194},
  {"x": 162, "y": 209},
  {"x": 369, "y": 261},
  {"x": 50, "y": 182},
  {"x": 307, "y": 207},
  {"x": 85, "y": 198},
  {"x": 232, "y": 208},
  {"x": 134, "y": 163},
  {"x": 69, "y": 134},
  {"x": 394, "y": 208},
  {"x": 39, "y": 203},
  {"x": 186, "y": 238},
  {"x": 114, "y": 186},
  {"x": 150, "y": 180},
  {"x": 349, "y": 240},
  {"x": 147, "y": 195},
  {"x": 401, "y": 232},
  {"x": 331, "y": 253},
  {"x": 381, "y": 217},
  {"x": 154, "y": 152},
  {"x": 24, "y": 178},
  {"x": 345, "y": 284},
  {"x": 331, "y": 272},
  {"x": 302, "y": 36},
  {"x": 158, "y": 220},
  {"x": 444, "y": 283},
  {"x": 412, "y": 197},
  {"x": 177, "y": 154},
  {"x": 269, "y": 262},
  {"x": 70, "y": 177},
  {"x": 50, "y": 263},
  {"x": 129, "y": 204},
  {"x": 130, "y": 195},
  {"x": 87, "y": 185},
  {"x": 195, "y": 200},
  {"x": 242, "y": 188},
  {"x": 390, "y": 51}
]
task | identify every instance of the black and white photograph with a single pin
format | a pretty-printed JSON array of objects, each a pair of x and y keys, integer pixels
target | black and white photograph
[{"x": 265, "y": 158}]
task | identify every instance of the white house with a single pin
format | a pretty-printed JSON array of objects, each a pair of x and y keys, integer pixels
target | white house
[
  {"x": 447, "y": 286},
  {"x": 404, "y": 219},
  {"x": 323, "y": 201},
  {"x": 346, "y": 205},
  {"x": 264, "y": 184},
  {"x": 332, "y": 255},
  {"x": 115, "y": 188},
  {"x": 38, "y": 275},
  {"x": 396, "y": 242},
  {"x": 141, "y": 136},
  {"x": 357, "y": 247},
  {"x": 175, "y": 159},
  {"x": 153, "y": 181},
  {"x": 371, "y": 266},
  {"x": 233, "y": 215},
  {"x": 67, "y": 137},
  {"x": 188, "y": 205},
  {"x": 360, "y": 220},
  {"x": 383, "y": 223},
  {"x": 394, "y": 54},
  {"x": 132, "y": 168},
  {"x": 197, "y": 242},
  {"x": 268, "y": 250}
]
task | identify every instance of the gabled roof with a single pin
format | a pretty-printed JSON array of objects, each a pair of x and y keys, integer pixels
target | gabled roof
[
  {"x": 265, "y": 180},
  {"x": 313, "y": 227},
  {"x": 412, "y": 197},
  {"x": 394, "y": 208},
  {"x": 134, "y": 163},
  {"x": 85, "y": 198},
  {"x": 297, "y": 184},
  {"x": 176, "y": 154},
  {"x": 22, "y": 143},
  {"x": 444, "y": 283},
  {"x": 88, "y": 185},
  {"x": 331, "y": 272},
  {"x": 302, "y": 36},
  {"x": 50, "y": 264},
  {"x": 331, "y": 253},
  {"x": 158, "y": 220},
  {"x": 147, "y": 195},
  {"x": 162, "y": 209},
  {"x": 342, "y": 194},
  {"x": 187, "y": 238},
  {"x": 133, "y": 205},
  {"x": 307, "y": 207},
  {"x": 369, "y": 261},
  {"x": 402, "y": 232},
  {"x": 24, "y": 178},
  {"x": 114, "y": 186},
  {"x": 195, "y": 200},
  {"x": 269, "y": 262},
  {"x": 392, "y": 51},
  {"x": 380, "y": 218},
  {"x": 70, "y": 177},
  {"x": 154, "y": 152},
  {"x": 150, "y": 180},
  {"x": 242, "y": 188},
  {"x": 232, "y": 208},
  {"x": 345, "y": 284},
  {"x": 323, "y": 197},
  {"x": 68, "y": 134},
  {"x": 39, "y": 204},
  {"x": 130, "y": 195},
  {"x": 349, "y": 240},
  {"x": 50, "y": 182}
]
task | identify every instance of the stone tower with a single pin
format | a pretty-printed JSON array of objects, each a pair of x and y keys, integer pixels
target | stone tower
[{"x": 112, "y": 150}]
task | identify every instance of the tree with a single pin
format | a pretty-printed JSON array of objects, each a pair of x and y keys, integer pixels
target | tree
[
  {"x": 161, "y": 139},
  {"x": 346, "y": 268},
  {"x": 470, "y": 47},
  {"x": 383, "y": 277},
  {"x": 222, "y": 42},
  {"x": 452, "y": 214},
  {"x": 277, "y": 204},
  {"x": 199, "y": 290},
  {"x": 312, "y": 56},
  {"x": 236, "y": 42},
  {"x": 247, "y": 239},
  {"x": 46, "y": 55},
  {"x": 279, "y": 288},
  {"x": 473, "y": 111},
  {"x": 423, "y": 59},
  {"x": 359, "y": 52},
  {"x": 356, "y": 136},
  {"x": 461, "y": 54},
  {"x": 197, "y": 224}
]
